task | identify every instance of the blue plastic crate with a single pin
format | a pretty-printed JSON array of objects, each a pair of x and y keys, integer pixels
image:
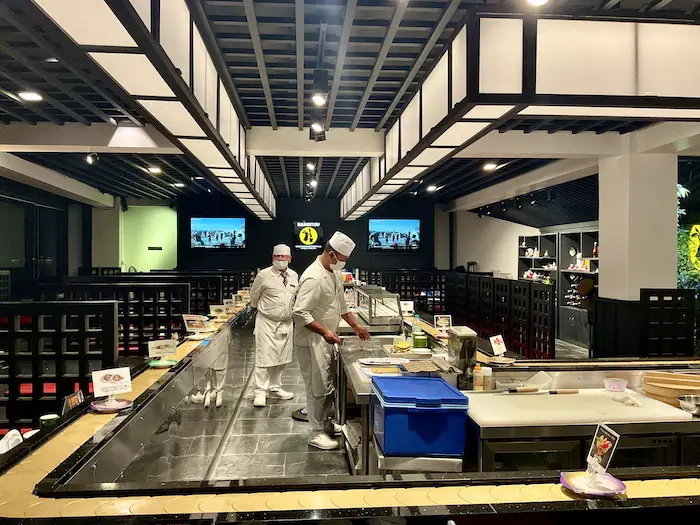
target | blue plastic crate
[{"x": 418, "y": 416}]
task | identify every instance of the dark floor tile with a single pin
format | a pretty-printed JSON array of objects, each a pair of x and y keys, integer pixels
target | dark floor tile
[
  {"x": 297, "y": 389},
  {"x": 278, "y": 411},
  {"x": 251, "y": 412},
  {"x": 204, "y": 445},
  {"x": 299, "y": 427},
  {"x": 248, "y": 427},
  {"x": 248, "y": 466},
  {"x": 241, "y": 445},
  {"x": 288, "y": 443},
  {"x": 190, "y": 468},
  {"x": 315, "y": 463}
]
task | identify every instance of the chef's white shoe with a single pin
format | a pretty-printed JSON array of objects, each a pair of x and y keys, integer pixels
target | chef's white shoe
[
  {"x": 323, "y": 442},
  {"x": 197, "y": 398},
  {"x": 259, "y": 400},
  {"x": 337, "y": 429},
  {"x": 207, "y": 399},
  {"x": 282, "y": 394},
  {"x": 219, "y": 398}
]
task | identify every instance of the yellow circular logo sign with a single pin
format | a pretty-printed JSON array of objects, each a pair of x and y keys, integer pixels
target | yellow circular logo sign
[
  {"x": 694, "y": 246},
  {"x": 308, "y": 235}
]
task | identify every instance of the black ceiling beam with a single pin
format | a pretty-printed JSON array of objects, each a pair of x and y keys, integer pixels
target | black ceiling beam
[
  {"x": 447, "y": 15},
  {"x": 335, "y": 174},
  {"x": 299, "y": 17},
  {"x": 538, "y": 124},
  {"x": 204, "y": 172},
  {"x": 18, "y": 116},
  {"x": 260, "y": 58},
  {"x": 589, "y": 126},
  {"x": 511, "y": 124},
  {"x": 319, "y": 166},
  {"x": 266, "y": 173},
  {"x": 351, "y": 176},
  {"x": 384, "y": 50},
  {"x": 656, "y": 5},
  {"x": 115, "y": 168},
  {"x": 207, "y": 33},
  {"x": 505, "y": 173},
  {"x": 63, "y": 49},
  {"x": 340, "y": 59},
  {"x": 284, "y": 177},
  {"x": 184, "y": 177},
  {"x": 32, "y": 107},
  {"x": 163, "y": 175},
  {"x": 56, "y": 83},
  {"x": 612, "y": 127},
  {"x": 447, "y": 176},
  {"x": 558, "y": 127}
]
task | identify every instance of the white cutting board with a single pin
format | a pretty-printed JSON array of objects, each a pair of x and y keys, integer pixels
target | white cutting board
[{"x": 588, "y": 407}]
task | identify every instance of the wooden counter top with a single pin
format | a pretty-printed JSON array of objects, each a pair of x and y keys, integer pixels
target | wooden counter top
[{"x": 17, "y": 500}]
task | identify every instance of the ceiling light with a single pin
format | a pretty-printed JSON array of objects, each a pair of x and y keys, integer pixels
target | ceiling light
[
  {"x": 30, "y": 96},
  {"x": 490, "y": 166},
  {"x": 519, "y": 204},
  {"x": 532, "y": 199},
  {"x": 488, "y": 210},
  {"x": 178, "y": 185},
  {"x": 314, "y": 183},
  {"x": 92, "y": 158},
  {"x": 431, "y": 188},
  {"x": 320, "y": 91},
  {"x": 504, "y": 206},
  {"x": 310, "y": 166},
  {"x": 537, "y": 3},
  {"x": 154, "y": 170},
  {"x": 317, "y": 127},
  {"x": 480, "y": 213},
  {"x": 51, "y": 60}
]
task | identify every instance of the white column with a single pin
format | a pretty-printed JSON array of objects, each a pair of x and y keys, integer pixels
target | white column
[
  {"x": 107, "y": 236},
  {"x": 638, "y": 224}
]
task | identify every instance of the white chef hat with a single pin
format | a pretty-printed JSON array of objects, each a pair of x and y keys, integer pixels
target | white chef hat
[
  {"x": 281, "y": 249},
  {"x": 342, "y": 244}
]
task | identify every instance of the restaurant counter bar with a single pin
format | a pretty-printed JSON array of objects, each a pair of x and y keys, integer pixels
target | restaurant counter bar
[{"x": 80, "y": 472}]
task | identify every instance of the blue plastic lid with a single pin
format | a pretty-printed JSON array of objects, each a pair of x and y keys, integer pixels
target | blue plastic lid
[{"x": 421, "y": 391}]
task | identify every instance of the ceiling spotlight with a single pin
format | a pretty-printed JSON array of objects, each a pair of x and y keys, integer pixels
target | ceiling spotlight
[
  {"x": 30, "y": 96},
  {"x": 92, "y": 158},
  {"x": 51, "y": 60},
  {"x": 480, "y": 213},
  {"x": 317, "y": 127},
  {"x": 178, "y": 185},
  {"x": 154, "y": 170},
  {"x": 488, "y": 210},
  {"x": 504, "y": 206},
  {"x": 209, "y": 190},
  {"x": 314, "y": 183},
  {"x": 532, "y": 199},
  {"x": 310, "y": 166},
  {"x": 519, "y": 204},
  {"x": 490, "y": 166},
  {"x": 320, "y": 91},
  {"x": 537, "y": 3},
  {"x": 432, "y": 188}
]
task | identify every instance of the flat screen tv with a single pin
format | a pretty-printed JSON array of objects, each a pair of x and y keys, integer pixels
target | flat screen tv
[
  {"x": 217, "y": 233},
  {"x": 394, "y": 235}
]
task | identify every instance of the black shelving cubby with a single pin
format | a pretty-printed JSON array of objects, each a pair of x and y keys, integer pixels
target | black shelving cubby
[
  {"x": 48, "y": 350},
  {"x": 520, "y": 317},
  {"x": 542, "y": 321},
  {"x": 5, "y": 290},
  {"x": 501, "y": 308},
  {"x": 668, "y": 322},
  {"x": 146, "y": 311},
  {"x": 486, "y": 317},
  {"x": 473, "y": 296}
]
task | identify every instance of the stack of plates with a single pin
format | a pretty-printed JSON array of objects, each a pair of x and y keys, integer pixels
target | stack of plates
[{"x": 669, "y": 386}]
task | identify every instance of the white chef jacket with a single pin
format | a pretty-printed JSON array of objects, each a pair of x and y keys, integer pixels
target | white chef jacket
[{"x": 273, "y": 322}]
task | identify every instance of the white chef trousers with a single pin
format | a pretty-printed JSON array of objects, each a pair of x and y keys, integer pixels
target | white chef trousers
[
  {"x": 268, "y": 379},
  {"x": 318, "y": 408}
]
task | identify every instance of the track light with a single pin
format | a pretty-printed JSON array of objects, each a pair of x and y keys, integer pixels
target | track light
[
  {"x": 317, "y": 127},
  {"x": 310, "y": 166},
  {"x": 154, "y": 170},
  {"x": 480, "y": 213},
  {"x": 317, "y": 130},
  {"x": 178, "y": 185},
  {"x": 30, "y": 96},
  {"x": 432, "y": 188},
  {"x": 518, "y": 204},
  {"x": 92, "y": 158},
  {"x": 504, "y": 206},
  {"x": 532, "y": 199},
  {"x": 314, "y": 183},
  {"x": 51, "y": 60},
  {"x": 320, "y": 92},
  {"x": 550, "y": 196},
  {"x": 488, "y": 210},
  {"x": 490, "y": 166}
]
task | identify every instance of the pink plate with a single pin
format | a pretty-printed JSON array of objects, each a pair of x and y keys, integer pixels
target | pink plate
[{"x": 578, "y": 482}]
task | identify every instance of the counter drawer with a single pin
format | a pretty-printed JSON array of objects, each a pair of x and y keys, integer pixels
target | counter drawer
[{"x": 496, "y": 456}]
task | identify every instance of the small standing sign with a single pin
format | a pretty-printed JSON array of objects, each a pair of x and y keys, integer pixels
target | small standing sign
[
  {"x": 498, "y": 345},
  {"x": 111, "y": 382}
]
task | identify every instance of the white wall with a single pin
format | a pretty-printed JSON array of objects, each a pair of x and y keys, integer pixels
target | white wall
[
  {"x": 492, "y": 243},
  {"x": 75, "y": 238},
  {"x": 442, "y": 239},
  {"x": 147, "y": 226},
  {"x": 106, "y": 236}
]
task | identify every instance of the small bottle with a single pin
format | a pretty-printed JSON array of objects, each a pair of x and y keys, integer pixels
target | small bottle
[
  {"x": 416, "y": 329},
  {"x": 478, "y": 377},
  {"x": 488, "y": 377}
]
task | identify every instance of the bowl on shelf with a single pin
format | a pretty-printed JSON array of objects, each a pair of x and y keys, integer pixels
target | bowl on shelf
[
  {"x": 690, "y": 404},
  {"x": 615, "y": 384}
]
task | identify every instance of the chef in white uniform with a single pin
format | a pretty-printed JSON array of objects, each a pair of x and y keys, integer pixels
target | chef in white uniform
[
  {"x": 319, "y": 305},
  {"x": 273, "y": 294}
]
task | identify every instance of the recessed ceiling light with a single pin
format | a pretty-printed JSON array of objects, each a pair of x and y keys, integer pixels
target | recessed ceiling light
[
  {"x": 431, "y": 188},
  {"x": 319, "y": 100},
  {"x": 537, "y": 3},
  {"x": 490, "y": 166},
  {"x": 91, "y": 158},
  {"x": 30, "y": 96},
  {"x": 317, "y": 127},
  {"x": 310, "y": 166},
  {"x": 178, "y": 185},
  {"x": 314, "y": 183},
  {"x": 154, "y": 170},
  {"x": 51, "y": 60}
]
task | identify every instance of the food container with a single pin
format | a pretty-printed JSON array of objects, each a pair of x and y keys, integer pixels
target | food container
[
  {"x": 420, "y": 341},
  {"x": 615, "y": 384},
  {"x": 690, "y": 404},
  {"x": 418, "y": 416}
]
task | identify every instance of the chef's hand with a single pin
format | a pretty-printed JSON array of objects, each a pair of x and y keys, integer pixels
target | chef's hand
[
  {"x": 331, "y": 337},
  {"x": 362, "y": 333}
]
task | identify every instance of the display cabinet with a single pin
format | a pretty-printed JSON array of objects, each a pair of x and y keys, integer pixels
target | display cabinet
[{"x": 377, "y": 306}]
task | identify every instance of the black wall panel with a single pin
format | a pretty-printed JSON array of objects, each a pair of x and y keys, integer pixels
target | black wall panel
[{"x": 262, "y": 236}]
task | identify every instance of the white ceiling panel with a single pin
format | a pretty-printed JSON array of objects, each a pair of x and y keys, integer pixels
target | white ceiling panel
[
  {"x": 174, "y": 116},
  {"x": 206, "y": 152},
  {"x": 134, "y": 73}
]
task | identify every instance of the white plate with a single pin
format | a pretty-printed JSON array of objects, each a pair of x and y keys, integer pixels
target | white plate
[
  {"x": 502, "y": 360},
  {"x": 197, "y": 337},
  {"x": 382, "y": 361}
]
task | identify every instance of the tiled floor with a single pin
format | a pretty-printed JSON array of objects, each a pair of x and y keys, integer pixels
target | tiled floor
[
  {"x": 565, "y": 350},
  {"x": 197, "y": 443}
]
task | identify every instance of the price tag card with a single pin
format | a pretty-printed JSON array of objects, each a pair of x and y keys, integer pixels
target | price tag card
[
  {"x": 72, "y": 401},
  {"x": 228, "y": 302},
  {"x": 230, "y": 309},
  {"x": 498, "y": 345},
  {"x": 111, "y": 382},
  {"x": 162, "y": 348},
  {"x": 194, "y": 323},
  {"x": 407, "y": 307},
  {"x": 219, "y": 310},
  {"x": 600, "y": 455},
  {"x": 442, "y": 322}
]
